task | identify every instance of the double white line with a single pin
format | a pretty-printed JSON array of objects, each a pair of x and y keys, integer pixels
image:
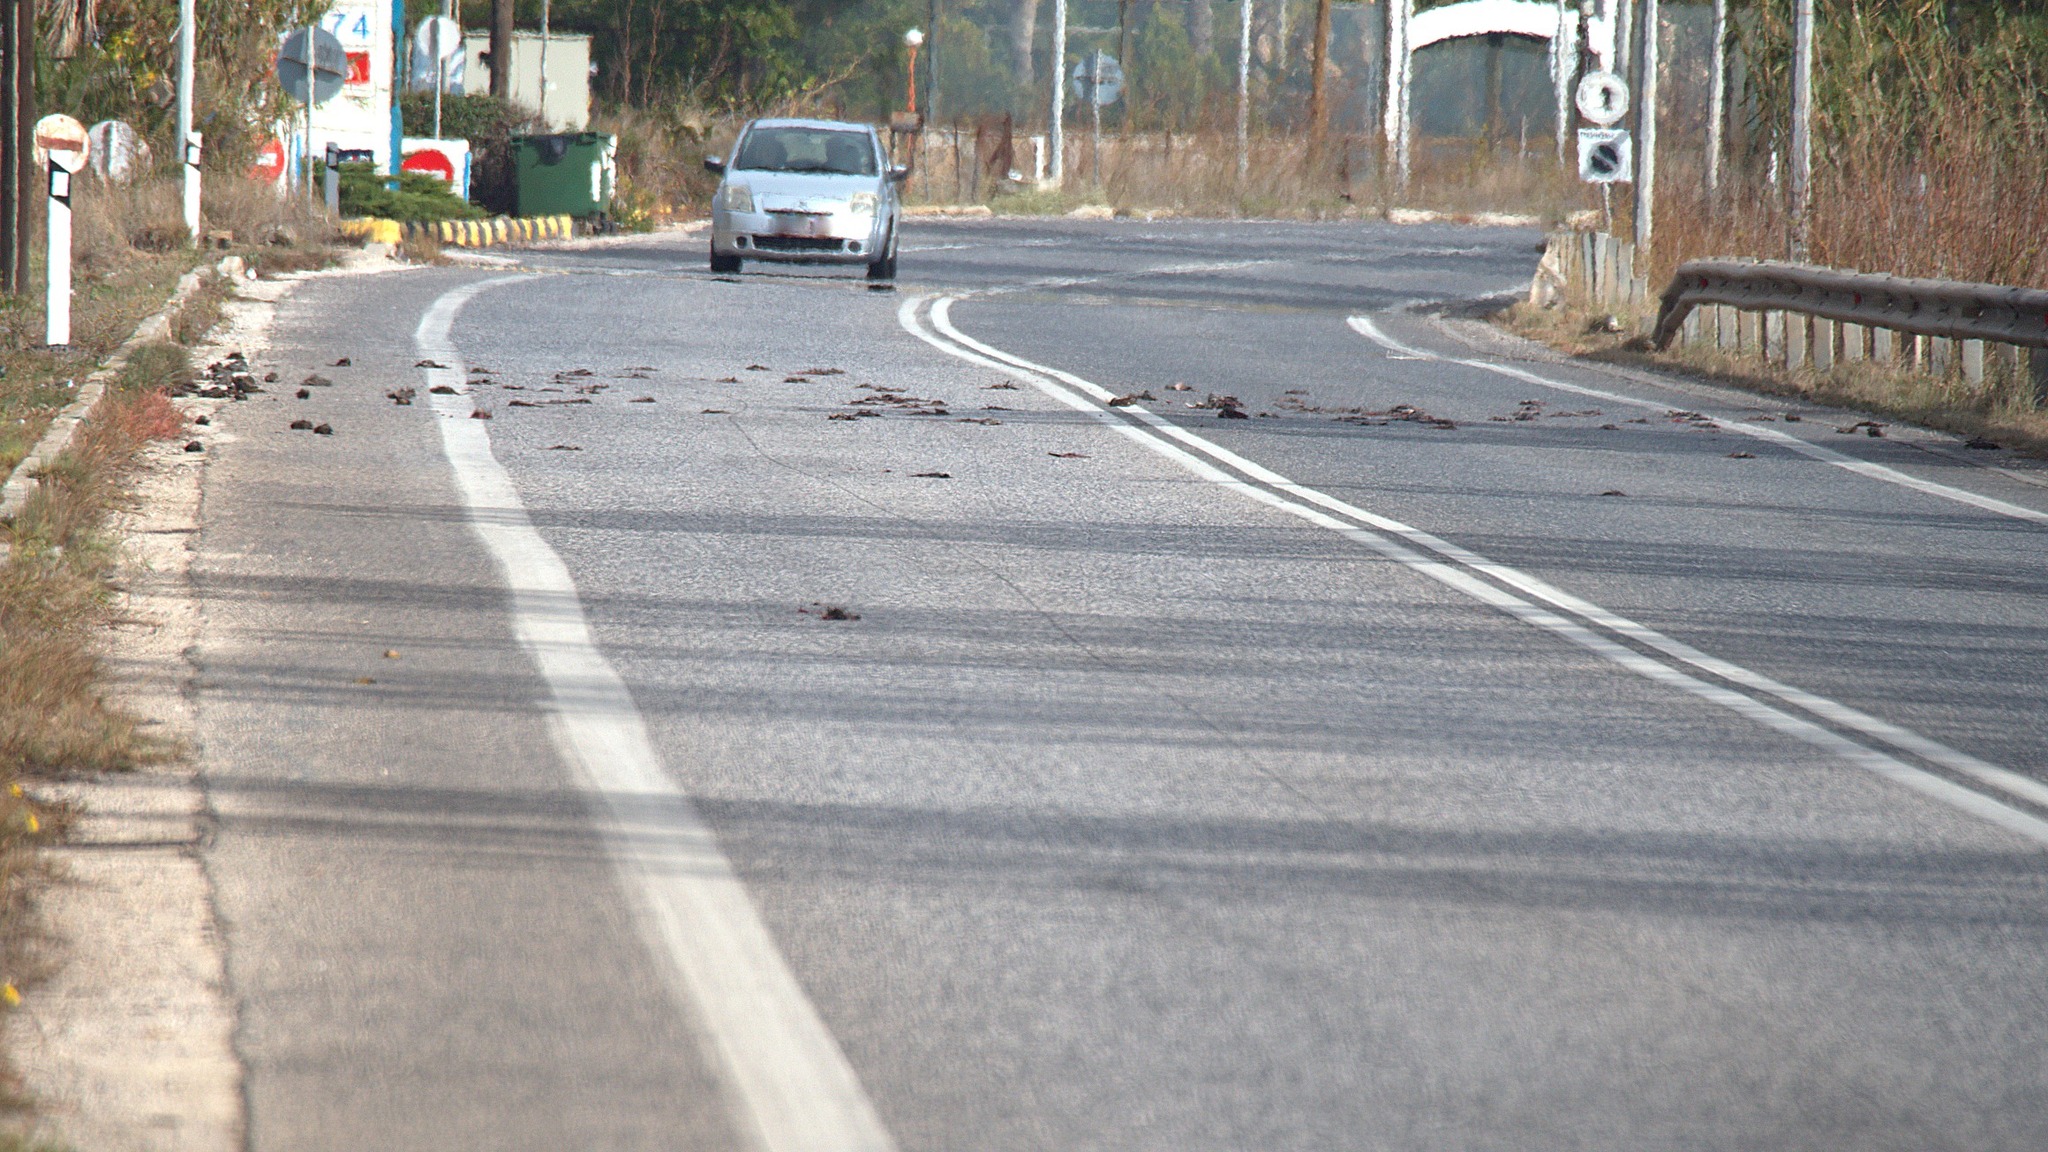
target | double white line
[{"x": 2003, "y": 797}]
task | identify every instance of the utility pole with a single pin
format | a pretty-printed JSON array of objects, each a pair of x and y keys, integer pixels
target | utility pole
[
  {"x": 1095, "y": 117},
  {"x": 188, "y": 156},
  {"x": 1646, "y": 133},
  {"x": 1802, "y": 124},
  {"x": 22, "y": 53},
  {"x": 10, "y": 238},
  {"x": 1717, "y": 97},
  {"x": 1319, "y": 60},
  {"x": 501, "y": 49},
  {"x": 1244, "y": 89},
  {"x": 1059, "y": 91}
]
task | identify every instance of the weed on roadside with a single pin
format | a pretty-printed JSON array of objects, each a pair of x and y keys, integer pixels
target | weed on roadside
[
  {"x": 421, "y": 248},
  {"x": 54, "y": 606}
]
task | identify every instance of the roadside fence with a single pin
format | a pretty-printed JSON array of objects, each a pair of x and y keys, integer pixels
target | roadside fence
[{"x": 1799, "y": 316}]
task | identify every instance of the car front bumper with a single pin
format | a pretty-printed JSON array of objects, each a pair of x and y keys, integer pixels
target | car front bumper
[{"x": 802, "y": 238}]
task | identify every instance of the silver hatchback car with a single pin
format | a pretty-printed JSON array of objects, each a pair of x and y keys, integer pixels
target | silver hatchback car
[{"x": 806, "y": 192}]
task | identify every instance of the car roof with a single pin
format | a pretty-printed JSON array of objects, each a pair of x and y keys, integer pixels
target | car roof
[{"x": 791, "y": 122}]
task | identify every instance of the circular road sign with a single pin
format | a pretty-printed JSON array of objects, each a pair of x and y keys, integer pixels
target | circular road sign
[
  {"x": 431, "y": 161},
  {"x": 64, "y": 139},
  {"x": 269, "y": 165},
  {"x": 118, "y": 151},
  {"x": 312, "y": 72},
  {"x": 1100, "y": 77},
  {"x": 1602, "y": 98}
]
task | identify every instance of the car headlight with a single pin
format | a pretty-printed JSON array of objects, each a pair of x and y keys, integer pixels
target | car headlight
[
  {"x": 863, "y": 203},
  {"x": 739, "y": 198}
]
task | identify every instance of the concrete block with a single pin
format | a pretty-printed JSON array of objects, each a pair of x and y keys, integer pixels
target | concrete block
[
  {"x": 1724, "y": 328},
  {"x": 2037, "y": 372},
  {"x": 1798, "y": 331},
  {"x": 1823, "y": 344},
  {"x": 1884, "y": 345},
  {"x": 1748, "y": 330},
  {"x": 1774, "y": 337},
  {"x": 1692, "y": 333}
]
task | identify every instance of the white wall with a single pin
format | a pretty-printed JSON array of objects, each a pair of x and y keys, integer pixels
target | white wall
[{"x": 568, "y": 103}]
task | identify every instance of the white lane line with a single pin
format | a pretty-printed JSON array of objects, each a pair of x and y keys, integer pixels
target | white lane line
[
  {"x": 1045, "y": 282},
  {"x": 1411, "y": 547},
  {"x": 1364, "y": 326},
  {"x": 795, "y": 1090}
]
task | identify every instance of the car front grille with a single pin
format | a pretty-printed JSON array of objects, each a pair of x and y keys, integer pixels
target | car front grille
[{"x": 799, "y": 244}]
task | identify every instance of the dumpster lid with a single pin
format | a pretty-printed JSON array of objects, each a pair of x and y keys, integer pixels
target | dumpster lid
[{"x": 550, "y": 148}]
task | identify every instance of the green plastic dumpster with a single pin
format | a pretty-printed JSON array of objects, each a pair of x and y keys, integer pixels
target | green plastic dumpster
[{"x": 567, "y": 174}]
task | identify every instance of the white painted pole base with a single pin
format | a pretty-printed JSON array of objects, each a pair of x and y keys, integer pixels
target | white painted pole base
[
  {"x": 192, "y": 145},
  {"x": 57, "y": 330}
]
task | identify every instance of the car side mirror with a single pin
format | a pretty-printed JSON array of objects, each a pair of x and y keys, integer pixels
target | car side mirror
[
  {"x": 715, "y": 165},
  {"x": 898, "y": 173}
]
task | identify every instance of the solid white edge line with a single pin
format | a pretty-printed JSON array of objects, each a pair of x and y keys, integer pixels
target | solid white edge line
[
  {"x": 794, "y": 1089},
  {"x": 949, "y": 339},
  {"x": 1364, "y": 326},
  {"x": 1904, "y": 739}
]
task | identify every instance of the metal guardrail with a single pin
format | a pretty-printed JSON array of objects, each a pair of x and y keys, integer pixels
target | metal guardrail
[{"x": 1947, "y": 309}]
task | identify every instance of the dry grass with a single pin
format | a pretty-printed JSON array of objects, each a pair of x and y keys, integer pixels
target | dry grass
[
  {"x": 54, "y": 718},
  {"x": 421, "y": 248}
]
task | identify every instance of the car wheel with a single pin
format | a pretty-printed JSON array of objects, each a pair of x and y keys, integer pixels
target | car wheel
[
  {"x": 884, "y": 268},
  {"x": 724, "y": 265}
]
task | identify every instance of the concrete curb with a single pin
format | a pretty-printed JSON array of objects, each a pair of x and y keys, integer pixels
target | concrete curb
[
  {"x": 464, "y": 233},
  {"x": 63, "y": 428}
]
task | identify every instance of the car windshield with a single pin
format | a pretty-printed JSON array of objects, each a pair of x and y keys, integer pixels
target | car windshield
[{"x": 830, "y": 150}]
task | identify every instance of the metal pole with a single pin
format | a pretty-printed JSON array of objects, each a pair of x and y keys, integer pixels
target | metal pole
[
  {"x": 1646, "y": 131},
  {"x": 1059, "y": 92},
  {"x": 1624, "y": 35},
  {"x": 545, "y": 5},
  {"x": 1717, "y": 96},
  {"x": 440, "y": 76},
  {"x": 187, "y": 52},
  {"x": 1802, "y": 123},
  {"x": 1095, "y": 116},
  {"x": 1244, "y": 89}
]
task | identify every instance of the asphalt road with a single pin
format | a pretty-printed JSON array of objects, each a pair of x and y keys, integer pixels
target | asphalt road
[{"x": 1600, "y": 763}]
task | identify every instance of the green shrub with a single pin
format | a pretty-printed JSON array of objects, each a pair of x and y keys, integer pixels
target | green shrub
[{"x": 419, "y": 198}]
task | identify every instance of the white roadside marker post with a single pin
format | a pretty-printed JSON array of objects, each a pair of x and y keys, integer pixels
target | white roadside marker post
[
  {"x": 188, "y": 140},
  {"x": 192, "y": 149},
  {"x": 57, "y": 332}
]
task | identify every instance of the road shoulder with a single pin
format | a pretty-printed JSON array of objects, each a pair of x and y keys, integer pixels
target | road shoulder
[{"x": 129, "y": 1045}]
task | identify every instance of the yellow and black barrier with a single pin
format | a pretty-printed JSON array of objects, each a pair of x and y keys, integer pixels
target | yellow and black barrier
[{"x": 465, "y": 233}]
